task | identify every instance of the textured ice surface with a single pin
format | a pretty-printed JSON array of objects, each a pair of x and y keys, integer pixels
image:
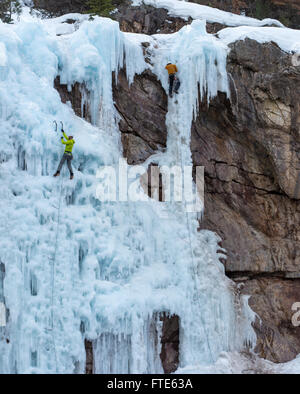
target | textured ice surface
[{"x": 77, "y": 268}]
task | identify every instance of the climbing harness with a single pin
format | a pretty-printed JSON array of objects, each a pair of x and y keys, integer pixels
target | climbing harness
[
  {"x": 55, "y": 252},
  {"x": 53, "y": 260}
]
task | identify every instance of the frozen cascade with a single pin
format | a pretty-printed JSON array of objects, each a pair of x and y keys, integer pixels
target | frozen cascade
[
  {"x": 115, "y": 266},
  {"x": 90, "y": 55}
]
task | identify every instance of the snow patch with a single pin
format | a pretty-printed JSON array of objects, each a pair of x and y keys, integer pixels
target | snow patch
[
  {"x": 287, "y": 39},
  {"x": 187, "y": 10}
]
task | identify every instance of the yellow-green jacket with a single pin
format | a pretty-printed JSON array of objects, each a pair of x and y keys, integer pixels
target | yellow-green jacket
[{"x": 69, "y": 143}]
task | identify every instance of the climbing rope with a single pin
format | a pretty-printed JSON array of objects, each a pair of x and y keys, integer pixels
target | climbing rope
[
  {"x": 53, "y": 271},
  {"x": 55, "y": 242},
  {"x": 53, "y": 260},
  {"x": 194, "y": 266},
  {"x": 55, "y": 252}
]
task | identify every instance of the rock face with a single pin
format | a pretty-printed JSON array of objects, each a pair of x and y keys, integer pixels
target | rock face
[
  {"x": 170, "y": 343},
  {"x": 60, "y": 7},
  {"x": 142, "y": 108},
  {"x": 250, "y": 150},
  {"x": 89, "y": 364},
  {"x": 147, "y": 20},
  {"x": 272, "y": 299},
  {"x": 75, "y": 96},
  {"x": 150, "y": 20}
]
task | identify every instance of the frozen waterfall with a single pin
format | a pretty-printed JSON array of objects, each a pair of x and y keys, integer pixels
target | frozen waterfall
[{"x": 75, "y": 268}]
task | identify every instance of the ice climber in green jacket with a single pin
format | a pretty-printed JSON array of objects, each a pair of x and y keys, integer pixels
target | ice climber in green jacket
[{"x": 67, "y": 154}]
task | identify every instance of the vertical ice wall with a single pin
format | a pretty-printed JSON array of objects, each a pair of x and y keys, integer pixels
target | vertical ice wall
[{"x": 77, "y": 268}]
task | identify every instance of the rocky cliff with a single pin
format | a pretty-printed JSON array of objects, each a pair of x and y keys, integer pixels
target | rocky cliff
[
  {"x": 142, "y": 108},
  {"x": 250, "y": 149}
]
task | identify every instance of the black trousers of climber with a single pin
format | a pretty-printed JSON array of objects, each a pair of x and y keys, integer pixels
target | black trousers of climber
[
  {"x": 69, "y": 158},
  {"x": 171, "y": 83}
]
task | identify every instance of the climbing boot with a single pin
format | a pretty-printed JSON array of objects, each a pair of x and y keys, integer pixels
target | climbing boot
[
  {"x": 57, "y": 174},
  {"x": 71, "y": 176}
]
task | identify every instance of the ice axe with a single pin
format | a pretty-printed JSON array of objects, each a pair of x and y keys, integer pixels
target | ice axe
[{"x": 56, "y": 127}]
